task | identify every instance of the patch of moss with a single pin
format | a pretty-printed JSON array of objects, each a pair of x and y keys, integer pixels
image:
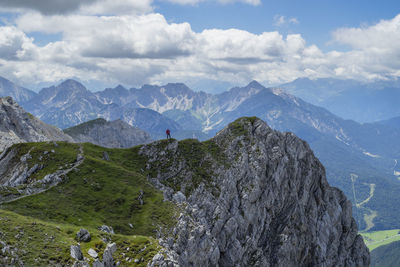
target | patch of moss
[{"x": 30, "y": 116}]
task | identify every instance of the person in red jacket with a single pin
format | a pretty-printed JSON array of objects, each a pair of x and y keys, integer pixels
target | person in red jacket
[{"x": 168, "y": 132}]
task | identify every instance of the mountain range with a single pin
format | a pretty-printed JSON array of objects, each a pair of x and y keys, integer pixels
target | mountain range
[
  {"x": 19, "y": 126},
  {"x": 350, "y": 99},
  {"x": 361, "y": 159}
]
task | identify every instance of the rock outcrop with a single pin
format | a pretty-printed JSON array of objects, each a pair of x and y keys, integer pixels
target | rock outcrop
[
  {"x": 113, "y": 134},
  {"x": 252, "y": 197},
  {"x": 83, "y": 235},
  {"x": 18, "y": 126},
  {"x": 15, "y": 174}
]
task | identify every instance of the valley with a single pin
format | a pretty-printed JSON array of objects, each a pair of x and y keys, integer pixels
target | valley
[{"x": 376, "y": 239}]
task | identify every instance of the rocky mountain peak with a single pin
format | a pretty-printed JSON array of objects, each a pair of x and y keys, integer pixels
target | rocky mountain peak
[
  {"x": 179, "y": 86},
  {"x": 113, "y": 134},
  {"x": 255, "y": 84},
  {"x": 253, "y": 196},
  {"x": 72, "y": 85},
  {"x": 120, "y": 88},
  {"x": 17, "y": 125}
]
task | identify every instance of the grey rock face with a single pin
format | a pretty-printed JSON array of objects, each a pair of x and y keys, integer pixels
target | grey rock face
[
  {"x": 18, "y": 126},
  {"x": 76, "y": 252},
  {"x": 97, "y": 263},
  {"x": 266, "y": 204},
  {"x": 83, "y": 235},
  {"x": 114, "y": 134},
  {"x": 179, "y": 197},
  {"x": 108, "y": 260}
]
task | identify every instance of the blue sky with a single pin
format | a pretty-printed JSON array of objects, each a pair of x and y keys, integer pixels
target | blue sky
[
  {"x": 317, "y": 19},
  {"x": 208, "y": 44}
]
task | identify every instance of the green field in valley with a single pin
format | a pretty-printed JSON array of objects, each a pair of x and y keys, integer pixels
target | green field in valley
[{"x": 380, "y": 238}]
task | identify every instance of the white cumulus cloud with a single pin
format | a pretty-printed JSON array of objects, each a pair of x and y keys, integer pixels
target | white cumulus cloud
[
  {"x": 15, "y": 45},
  {"x": 146, "y": 48},
  {"x": 280, "y": 20}
]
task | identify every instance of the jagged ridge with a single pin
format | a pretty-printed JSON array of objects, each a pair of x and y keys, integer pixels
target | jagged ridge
[{"x": 257, "y": 198}]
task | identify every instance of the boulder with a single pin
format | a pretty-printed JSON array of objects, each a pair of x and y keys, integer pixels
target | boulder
[
  {"x": 83, "y": 236},
  {"x": 106, "y": 229},
  {"x": 76, "y": 252}
]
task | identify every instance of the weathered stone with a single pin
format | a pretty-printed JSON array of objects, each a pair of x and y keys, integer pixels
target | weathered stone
[
  {"x": 83, "y": 235},
  {"x": 76, "y": 252},
  {"x": 108, "y": 260},
  {"x": 106, "y": 229},
  {"x": 97, "y": 263},
  {"x": 179, "y": 197},
  {"x": 112, "y": 247},
  {"x": 92, "y": 253},
  {"x": 106, "y": 156}
]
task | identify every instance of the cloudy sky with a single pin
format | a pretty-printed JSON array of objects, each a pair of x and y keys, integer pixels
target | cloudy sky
[{"x": 205, "y": 43}]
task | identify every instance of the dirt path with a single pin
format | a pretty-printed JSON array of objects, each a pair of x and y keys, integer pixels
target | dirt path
[
  {"x": 368, "y": 218},
  {"x": 371, "y": 194}
]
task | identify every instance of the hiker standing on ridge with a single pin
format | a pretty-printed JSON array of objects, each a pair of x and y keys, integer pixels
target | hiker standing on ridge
[{"x": 168, "y": 132}]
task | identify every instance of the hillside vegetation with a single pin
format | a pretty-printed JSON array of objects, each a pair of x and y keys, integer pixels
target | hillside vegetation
[{"x": 99, "y": 192}]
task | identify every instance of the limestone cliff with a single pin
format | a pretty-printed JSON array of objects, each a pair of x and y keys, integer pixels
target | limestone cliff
[
  {"x": 18, "y": 126},
  {"x": 252, "y": 196}
]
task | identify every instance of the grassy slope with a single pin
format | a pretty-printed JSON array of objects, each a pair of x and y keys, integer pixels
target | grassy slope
[
  {"x": 99, "y": 192},
  {"x": 42, "y": 243},
  {"x": 57, "y": 157}
]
